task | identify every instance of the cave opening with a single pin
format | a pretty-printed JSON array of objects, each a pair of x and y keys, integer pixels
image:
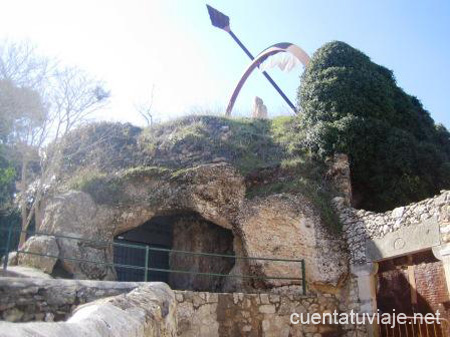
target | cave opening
[{"x": 166, "y": 238}]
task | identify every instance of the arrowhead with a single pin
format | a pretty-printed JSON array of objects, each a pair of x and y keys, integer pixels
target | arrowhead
[{"x": 218, "y": 19}]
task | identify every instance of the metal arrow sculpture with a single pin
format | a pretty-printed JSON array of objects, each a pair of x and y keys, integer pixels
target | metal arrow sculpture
[
  {"x": 284, "y": 47},
  {"x": 222, "y": 21}
]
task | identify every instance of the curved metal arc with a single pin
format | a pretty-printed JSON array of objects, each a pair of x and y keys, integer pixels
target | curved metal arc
[{"x": 283, "y": 47}]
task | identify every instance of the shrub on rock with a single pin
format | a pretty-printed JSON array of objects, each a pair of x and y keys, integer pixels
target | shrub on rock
[{"x": 352, "y": 105}]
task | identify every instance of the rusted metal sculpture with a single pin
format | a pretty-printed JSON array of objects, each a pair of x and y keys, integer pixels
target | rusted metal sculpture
[
  {"x": 222, "y": 21},
  {"x": 284, "y": 47}
]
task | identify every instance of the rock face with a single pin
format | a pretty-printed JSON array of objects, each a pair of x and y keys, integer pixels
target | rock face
[
  {"x": 27, "y": 296},
  {"x": 200, "y": 236},
  {"x": 288, "y": 226},
  {"x": 282, "y": 226},
  {"x": 339, "y": 173},
  {"x": 90, "y": 207},
  {"x": 75, "y": 216}
]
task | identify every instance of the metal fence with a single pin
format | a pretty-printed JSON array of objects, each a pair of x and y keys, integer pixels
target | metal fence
[
  {"x": 139, "y": 262},
  {"x": 416, "y": 327}
]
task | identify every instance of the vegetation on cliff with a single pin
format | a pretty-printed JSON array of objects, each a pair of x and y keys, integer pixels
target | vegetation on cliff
[
  {"x": 266, "y": 152},
  {"x": 351, "y": 105},
  {"x": 247, "y": 144}
]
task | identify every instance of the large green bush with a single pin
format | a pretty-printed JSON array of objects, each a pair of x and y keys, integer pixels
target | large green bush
[{"x": 350, "y": 104}]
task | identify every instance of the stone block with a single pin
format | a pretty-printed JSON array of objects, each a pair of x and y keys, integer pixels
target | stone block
[
  {"x": 267, "y": 309},
  {"x": 405, "y": 240}
]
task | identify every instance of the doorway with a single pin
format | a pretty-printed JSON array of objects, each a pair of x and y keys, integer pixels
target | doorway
[{"x": 413, "y": 284}]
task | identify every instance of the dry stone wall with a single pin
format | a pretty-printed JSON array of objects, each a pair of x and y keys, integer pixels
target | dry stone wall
[{"x": 256, "y": 315}]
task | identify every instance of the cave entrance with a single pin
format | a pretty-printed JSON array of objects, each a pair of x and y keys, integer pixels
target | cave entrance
[{"x": 168, "y": 237}]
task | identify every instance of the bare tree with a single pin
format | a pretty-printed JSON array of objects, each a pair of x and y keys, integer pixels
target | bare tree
[
  {"x": 22, "y": 65},
  {"x": 24, "y": 115},
  {"x": 39, "y": 105},
  {"x": 75, "y": 96},
  {"x": 145, "y": 108}
]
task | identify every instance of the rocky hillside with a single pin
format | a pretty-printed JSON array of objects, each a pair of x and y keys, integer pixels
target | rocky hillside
[
  {"x": 247, "y": 177},
  {"x": 248, "y": 144},
  {"x": 265, "y": 152}
]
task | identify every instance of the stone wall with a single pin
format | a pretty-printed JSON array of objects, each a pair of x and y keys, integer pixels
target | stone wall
[
  {"x": 255, "y": 315},
  {"x": 197, "y": 313},
  {"x": 361, "y": 226}
]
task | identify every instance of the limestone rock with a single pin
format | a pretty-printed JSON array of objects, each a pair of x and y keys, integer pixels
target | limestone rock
[
  {"x": 282, "y": 226},
  {"x": 199, "y": 236},
  {"x": 214, "y": 191},
  {"x": 149, "y": 310},
  {"x": 173, "y": 176},
  {"x": 41, "y": 245},
  {"x": 259, "y": 109},
  {"x": 24, "y": 272},
  {"x": 339, "y": 173},
  {"x": 288, "y": 226},
  {"x": 12, "y": 259}
]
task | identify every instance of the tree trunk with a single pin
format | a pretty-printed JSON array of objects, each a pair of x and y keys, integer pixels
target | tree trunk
[{"x": 23, "y": 202}]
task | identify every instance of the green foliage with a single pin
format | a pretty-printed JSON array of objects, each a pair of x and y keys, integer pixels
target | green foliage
[
  {"x": 7, "y": 177},
  {"x": 304, "y": 175},
  {"x": 103, "y": 189},
  {"x": 108, "y": 147},
  {"x": 172, "y": 149},
  {"x": 141, "y": 172},
  {"x": 249, "y": 144},
  {"x": 22, "y": 114},
  {"x": 9, "y": 218},
  {"x": 6, "y": 184},
  {"x": 350, "y": 104}
]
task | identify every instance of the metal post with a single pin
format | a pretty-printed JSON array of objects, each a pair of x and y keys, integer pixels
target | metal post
[
  {"x": 8, "y": 243},
  {"x": 146, "y": 263},
  {"x": 303, "y": 277}
]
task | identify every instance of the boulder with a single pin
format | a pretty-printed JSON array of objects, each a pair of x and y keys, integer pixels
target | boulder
[
  {"x": 24, "y": 272},
  {"x": 12, "y": 259},
  {"x": 41, "y": 252}
]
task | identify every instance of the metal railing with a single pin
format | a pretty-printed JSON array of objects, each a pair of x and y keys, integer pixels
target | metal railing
[
  {"x": 147, "y": 270},
  {"x": 416, "y": 327}
]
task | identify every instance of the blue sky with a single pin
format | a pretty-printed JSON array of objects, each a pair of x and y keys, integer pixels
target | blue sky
[{"x": 137, "y": 44}]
